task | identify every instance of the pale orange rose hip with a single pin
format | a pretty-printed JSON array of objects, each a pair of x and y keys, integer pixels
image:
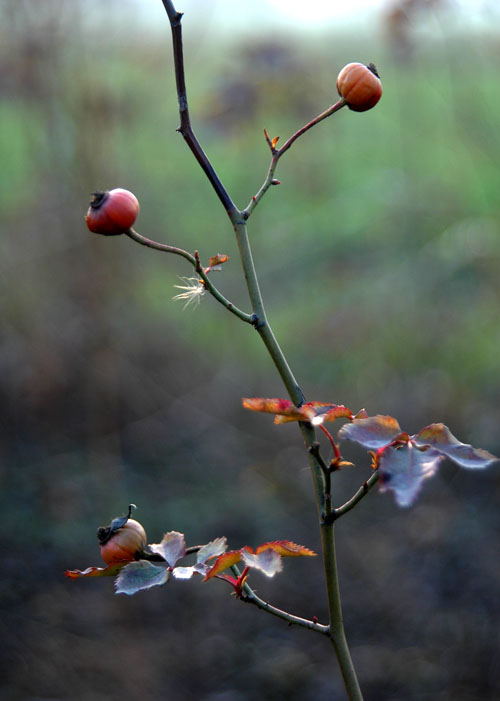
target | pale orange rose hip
[{"x": 124, "y": 544}]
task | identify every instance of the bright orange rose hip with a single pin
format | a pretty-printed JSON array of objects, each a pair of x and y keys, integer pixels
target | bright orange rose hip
[{"x": 360, "y": 86}]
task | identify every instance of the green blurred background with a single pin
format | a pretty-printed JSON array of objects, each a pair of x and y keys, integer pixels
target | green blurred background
[{"x": 379, "y": 261}]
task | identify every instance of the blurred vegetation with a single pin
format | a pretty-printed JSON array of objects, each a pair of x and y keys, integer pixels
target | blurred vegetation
[{"x": 378, "y": 257}]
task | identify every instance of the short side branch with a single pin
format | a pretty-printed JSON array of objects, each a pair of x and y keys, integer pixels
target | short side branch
[
  {"x": 195, "y": 262},
  {"x": 277, "y": 153},
  {"x": 250, "y": 597},
  {"x": 360, "y": 494}
]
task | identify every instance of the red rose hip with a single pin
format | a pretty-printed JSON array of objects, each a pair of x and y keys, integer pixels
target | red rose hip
[{"x": 112, "y": 212}]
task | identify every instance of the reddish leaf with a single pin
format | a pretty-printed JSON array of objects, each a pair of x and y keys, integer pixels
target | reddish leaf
[
  {"x": 274, "y": 141},
  {"x": 171, "y": 548},
  {"x": 268, "y": 561},
  {"x": 439, "y": 437},
  {"x": 108, "y": 571},
  {"x": 373, "y": 432},
  {"x": 137, "y": 576},
  {"x": 223, "y": 562},
  {"x": 218, "y": 259},
  {"x": 285, "y": 548},
  {"x": 271, "y": 406},
  {"x": 285, "y": 410},
  {"x": 403, "y": 468}
]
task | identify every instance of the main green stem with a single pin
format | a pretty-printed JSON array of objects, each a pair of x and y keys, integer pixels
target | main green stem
[
  {"x": 261, "y": 323},
  {"x": 337, "y": 633},
  {"x": 238, "y": 219}
]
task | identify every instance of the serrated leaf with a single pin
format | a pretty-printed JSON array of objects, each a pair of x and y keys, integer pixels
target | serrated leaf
[
  {"x": 403, "y": 469},
  {"x": 285, "y": 548},
  {"x": 108, "y": 571},
  {"x": 171, "y": 548},
  {"x": 271, "y": 406},
  {"x": 373, "y": 432},
  {"x": 285, "y": 410},
  {"x": 213, "y": 549},
  {"x": 268, "y": 561},
  {"x": 137, "y": 576},
  {"x": 439, "y": 437},
  {"x": 223, "y": 562}
]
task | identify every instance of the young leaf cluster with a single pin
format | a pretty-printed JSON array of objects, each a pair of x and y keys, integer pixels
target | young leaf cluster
[{"x": 402, "y": 461}]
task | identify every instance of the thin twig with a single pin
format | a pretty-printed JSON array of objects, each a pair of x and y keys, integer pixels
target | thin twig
[
  {"x": 160, "y": 246},
  {"x": 185, "y": 127},
  {"x": 362, "y": 492},
  {"x": 277, "y": 153},
  {"x": 327, "y": 113},
  {"x": 250, "y": 597}
]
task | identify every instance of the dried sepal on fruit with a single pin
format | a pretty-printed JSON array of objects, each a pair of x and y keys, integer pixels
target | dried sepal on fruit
[
  {"x": 360, "y": 86},
  {"x": 112, "y": 212}
]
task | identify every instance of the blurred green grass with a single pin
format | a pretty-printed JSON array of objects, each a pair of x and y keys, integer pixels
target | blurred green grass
[{"x": 378, "y": 257}]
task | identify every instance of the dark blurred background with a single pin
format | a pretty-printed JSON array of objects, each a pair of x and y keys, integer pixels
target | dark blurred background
[{"x": 379, "y": 259}]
